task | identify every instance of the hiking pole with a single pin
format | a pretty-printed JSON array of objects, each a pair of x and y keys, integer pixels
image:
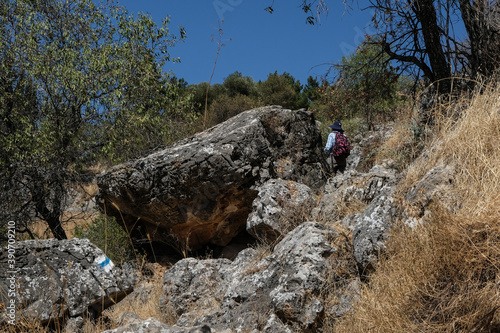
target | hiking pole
[{"x": 331, "y": 164}]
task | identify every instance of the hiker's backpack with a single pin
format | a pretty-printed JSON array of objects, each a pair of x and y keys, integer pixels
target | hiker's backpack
[{"x": 342, "y": 148}]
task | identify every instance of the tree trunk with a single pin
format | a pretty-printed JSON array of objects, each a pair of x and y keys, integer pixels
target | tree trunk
[
  {"x": 441, "y": 70},
  {"x": 484, "y": 36},
  {"x": 56, "y": 228},
  {"x": 47, "y": 197},
  {"x": 52, "y": 217}
]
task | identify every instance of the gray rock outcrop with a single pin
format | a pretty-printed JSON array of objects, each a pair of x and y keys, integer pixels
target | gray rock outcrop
[
  {"x": 373, "y": 191},
  {"x": 363, "y": 146},
  {"x": 200, "y": 190},
  {"x": 279, "y": 207},
  {"x": 350, "y": 187},
  {"x": 62, "y": 279},
  {"x": 435, "y": 184},
  {"x": 347, "y": 296},
  {"x": 372, "y": 230},
  {"x": 254, "y": 292}
]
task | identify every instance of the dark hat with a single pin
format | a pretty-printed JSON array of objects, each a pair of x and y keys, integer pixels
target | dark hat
[{"x": 337, "y": 126}]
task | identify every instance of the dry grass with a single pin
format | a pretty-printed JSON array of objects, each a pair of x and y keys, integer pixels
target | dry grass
[
  {"x": 401, "y": 147},
  {"x": 350, "y": 205},
  {"x": 443, "y": 275},
  {"x": 145, "y": 309},
  {"x": 343, "y": 274}
]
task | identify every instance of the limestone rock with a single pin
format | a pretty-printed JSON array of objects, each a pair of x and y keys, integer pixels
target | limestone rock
[
  {"x": 73, "y": 325},
  {"x": 279, "y": 207},
  {"x": 363, "y": 146},
  {"x": 60, "y": 279},
  {"x": 372, "y": 229},
  {"x": 302, "y": 255},
  {"x": 274, "y": 324},
  {"x": 254, "y": 292},
  {"x": 193, "y": 284},
  {"x": 200, "y": 190},
  {"x": 436, "y": 183},
  {"x": 355, "y": 158},
  {"x": 349, "y": 187},
  {"x": 347, "y": 296},
  {"x": 127, "y": 318}
]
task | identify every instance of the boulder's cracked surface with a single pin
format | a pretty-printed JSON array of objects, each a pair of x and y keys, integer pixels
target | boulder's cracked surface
[
  {"x": 60, "y": 279},
  {"x": 200, "y": 190},
  {"x": 152, "y": 325}
]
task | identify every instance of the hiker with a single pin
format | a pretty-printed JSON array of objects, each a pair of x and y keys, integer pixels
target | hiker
[{"x": 337, "y": 146}]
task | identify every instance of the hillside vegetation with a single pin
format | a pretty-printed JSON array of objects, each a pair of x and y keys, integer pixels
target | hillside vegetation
[
  {"x": 442, "y": 275},
  {"x": 84, "y": 85},
  {"x": 437, "y": 275}
]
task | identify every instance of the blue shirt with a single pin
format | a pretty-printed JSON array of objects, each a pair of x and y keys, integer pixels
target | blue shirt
[{"x": 330, "y": 142}]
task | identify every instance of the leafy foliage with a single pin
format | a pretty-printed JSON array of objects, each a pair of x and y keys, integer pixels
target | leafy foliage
[
  {"x": 225, "y": 107},
  {"x": 78, "y": 81},
  {"x": 198, "y": 95},
  {"x": 310, "y": 91},
  {"x": 282, "y": 89},
  {"x": 237, "y": 84},
  {"x": 366, "y": 85},
  {"x": 239, "y": 93},
  {"x": 139, "y": 127}
]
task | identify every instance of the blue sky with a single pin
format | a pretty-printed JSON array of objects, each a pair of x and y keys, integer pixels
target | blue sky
[{"x": 261, "y": 43}]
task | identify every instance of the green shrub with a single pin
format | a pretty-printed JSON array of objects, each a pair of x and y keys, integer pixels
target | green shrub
[
  {"x": 353, "y": 127},
  {"x": 109, "y": 236},
  {"x": 225, "y": 107},
  {"x": 282, "y": 89}
]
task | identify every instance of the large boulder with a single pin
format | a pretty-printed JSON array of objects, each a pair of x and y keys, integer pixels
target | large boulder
[
  {"x": 256, "y": 291},
  {"x": 57, "y": 280},
  {"x": 200, "y": 190}
]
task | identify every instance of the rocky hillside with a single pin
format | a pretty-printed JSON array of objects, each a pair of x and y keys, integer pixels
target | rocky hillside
[
  {"x": 439, "y": 272},
  {"x": 325, "y": 249}
]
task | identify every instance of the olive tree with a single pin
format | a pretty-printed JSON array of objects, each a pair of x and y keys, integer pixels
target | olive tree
[{"x": 73, "y": 75}]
